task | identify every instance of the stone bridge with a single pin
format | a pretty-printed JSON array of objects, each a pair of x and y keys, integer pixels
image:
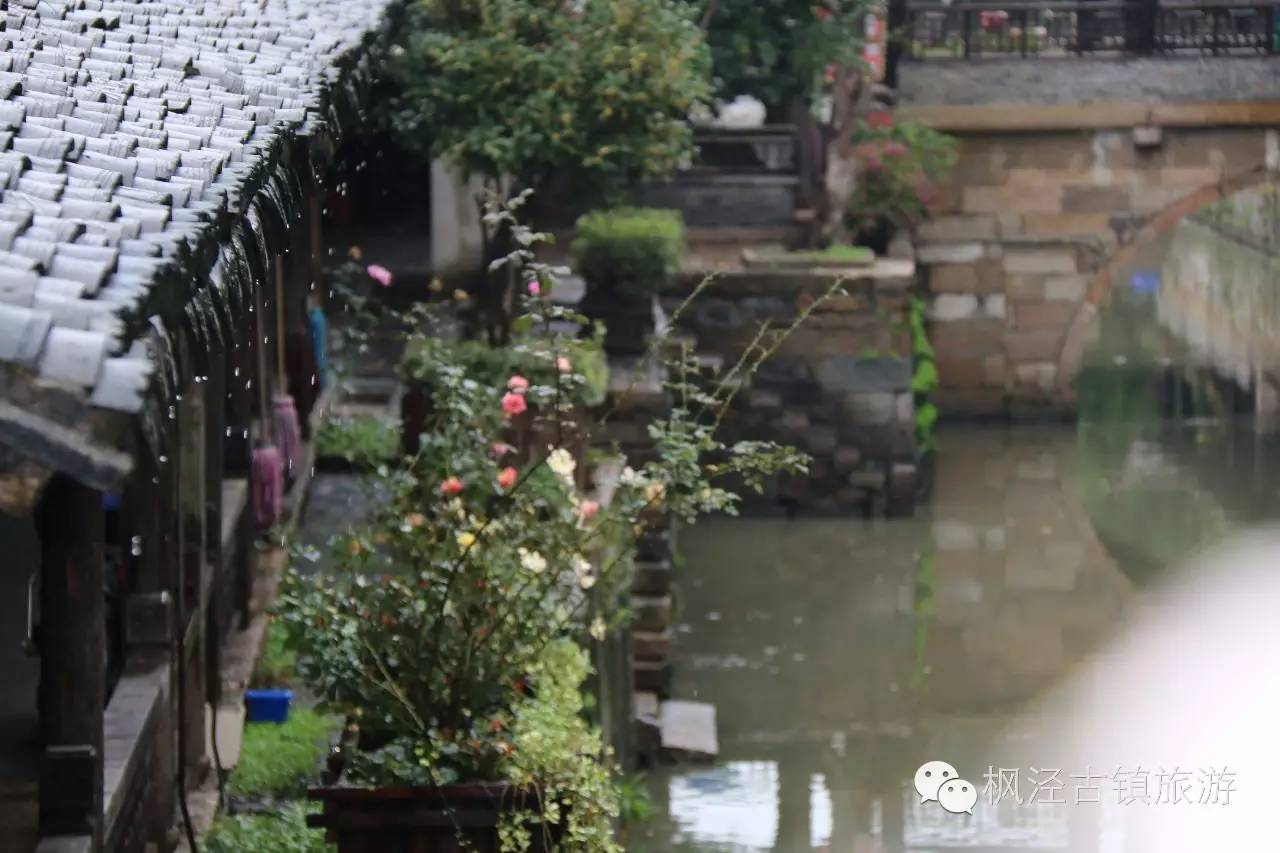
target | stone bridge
[{"x": 1066, "y": 166}]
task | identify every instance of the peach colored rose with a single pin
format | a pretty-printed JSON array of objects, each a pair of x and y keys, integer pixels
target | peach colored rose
[{"x": 513, "y": 404}]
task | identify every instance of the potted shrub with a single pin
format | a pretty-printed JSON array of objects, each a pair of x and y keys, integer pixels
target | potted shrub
[
  {"x": 451, "y": 635},
  {"x": 898, "y": 165},
  {"x": 626, "y": 256}
]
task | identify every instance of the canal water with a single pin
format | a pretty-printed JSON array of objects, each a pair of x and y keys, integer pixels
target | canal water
[{"x": 1080, "y": 623}]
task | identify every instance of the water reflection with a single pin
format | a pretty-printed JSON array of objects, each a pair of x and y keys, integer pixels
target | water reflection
[
  {"x": 1218, "y": 296},
  {"x": 841, "y": 655},
  {"x": 1057, "y": 611}
]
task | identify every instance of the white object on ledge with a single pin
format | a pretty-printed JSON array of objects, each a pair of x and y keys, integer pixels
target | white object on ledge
[{"x": 742, "y": 112}]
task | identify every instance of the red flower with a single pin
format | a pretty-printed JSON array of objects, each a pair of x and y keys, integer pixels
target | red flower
[
  {"x": 451, "y": 486},
  {"x": 507, "y": 477},
  {"x": 879, "y": 118}
]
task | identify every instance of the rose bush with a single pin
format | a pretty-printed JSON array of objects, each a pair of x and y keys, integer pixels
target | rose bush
[
  {"x": 442, "y": 634},
  {"x": 899, "y": 162}
]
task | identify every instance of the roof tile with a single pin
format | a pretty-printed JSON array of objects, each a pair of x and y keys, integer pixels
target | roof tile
[{"x": 73, "y": 356}]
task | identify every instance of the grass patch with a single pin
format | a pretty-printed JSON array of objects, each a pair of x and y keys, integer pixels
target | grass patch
[
  {"x": 839, "y": 252},
  {"x": 286, "y": 832},
  {"x": 278, "y": 666},
  {"x": 363, "y": 441},
  {"x": 277, "y": 761},
  {"x": 836, "y": 255}
]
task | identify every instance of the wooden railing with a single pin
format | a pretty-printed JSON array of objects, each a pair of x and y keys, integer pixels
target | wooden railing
[{"x": 966, "y": 30}]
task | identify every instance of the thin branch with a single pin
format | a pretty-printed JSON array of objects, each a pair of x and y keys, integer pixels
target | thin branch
[{"x": 708, "y": 14}]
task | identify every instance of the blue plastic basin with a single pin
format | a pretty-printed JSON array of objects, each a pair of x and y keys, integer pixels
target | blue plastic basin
[{"x": 267, "y": 706}]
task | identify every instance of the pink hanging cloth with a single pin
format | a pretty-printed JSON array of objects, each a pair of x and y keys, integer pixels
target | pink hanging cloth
[
  {"x": 266, "y": 487},
  {"x": 284, "y": 419}
]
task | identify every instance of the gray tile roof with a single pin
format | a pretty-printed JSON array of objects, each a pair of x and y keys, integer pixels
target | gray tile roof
[{"x": 128, "y": 129}]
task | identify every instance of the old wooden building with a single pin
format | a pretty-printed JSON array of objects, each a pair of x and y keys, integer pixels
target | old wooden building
[{"x": 162, "y": 164}]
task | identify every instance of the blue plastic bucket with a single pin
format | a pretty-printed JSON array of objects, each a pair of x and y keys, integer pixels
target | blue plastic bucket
[{"x": 267, "y": 706}]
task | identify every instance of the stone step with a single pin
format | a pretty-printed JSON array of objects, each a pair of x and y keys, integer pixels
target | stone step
[
  {"x": 650, "y": 677},
  {"x": 654, "y": 547},
  {"x": 628, "y": 431},
  {"x": 636, "y": 387},
  {"x": 653, "y": 647},
  {"x": 652, "y": 613},
  {"x": 646, "y": 705},
  {"x": 688, "y": 730},
  {"x": 652, "y": 577},
  {"x": 709, "y": 363}
]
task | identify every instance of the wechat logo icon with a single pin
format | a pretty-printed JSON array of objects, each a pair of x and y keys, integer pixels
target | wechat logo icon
[{"x": 939, "y": 781}]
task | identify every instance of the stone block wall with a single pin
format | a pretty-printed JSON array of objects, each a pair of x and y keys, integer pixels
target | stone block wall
[
  {"x": 1083, "y": 80},
  {"x": 837, "y": 388},
  {"x": 1024, "y": 242},
  {"x": 719, "y": 200}
]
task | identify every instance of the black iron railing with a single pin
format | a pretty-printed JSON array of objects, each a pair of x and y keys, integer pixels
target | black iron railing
[{"x": 961, "y": 30}]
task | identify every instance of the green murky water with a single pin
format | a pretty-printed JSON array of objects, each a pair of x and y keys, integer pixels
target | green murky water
[{"x": 1034, "y": 616}]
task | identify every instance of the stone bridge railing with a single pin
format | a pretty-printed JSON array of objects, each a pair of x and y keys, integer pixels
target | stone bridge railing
[{"x": 933, "y": 30}]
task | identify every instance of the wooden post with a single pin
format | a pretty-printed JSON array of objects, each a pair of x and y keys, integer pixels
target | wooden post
[
  {"x": 301, "y": 284},
  {"x": 150, "y": 628},
  {"x": 211, "y": 397},
  {"x": 793, "y": 803},
  {"x": 238, "y": 399},
  {"x": 896, "y": 24},
  {"x": 315, "y": 248},
  {"x": 215, "y": 426},
  {"x": 192, "y": 567},
  {"x": 72, "y": 658}
]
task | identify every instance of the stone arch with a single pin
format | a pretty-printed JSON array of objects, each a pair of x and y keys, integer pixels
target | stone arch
[{"x": 1128, "y": 241}]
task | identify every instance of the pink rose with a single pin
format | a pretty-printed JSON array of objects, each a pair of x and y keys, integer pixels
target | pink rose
[
  {"x": 507, "y": 477},
  {"x": 587, "y": 510},
  {"x": 451, "y": 486},
  {"x": 513, "y": 404},
  {"x": 518, "y": 384},
  {"x": 380, "y": 274},
  {"x": 500, "y": 449},
  {"x": 563, "y": 364},
  {"x": 535, "y": 289}
]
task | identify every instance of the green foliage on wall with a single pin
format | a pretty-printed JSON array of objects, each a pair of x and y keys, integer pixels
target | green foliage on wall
[{"x": 924, "y": 381}]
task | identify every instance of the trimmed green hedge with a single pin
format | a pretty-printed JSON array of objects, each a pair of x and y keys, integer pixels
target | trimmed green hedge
[{"x": 636, "y": 249}]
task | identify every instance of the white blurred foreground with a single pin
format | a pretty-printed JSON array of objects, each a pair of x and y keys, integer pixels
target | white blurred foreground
[{"x": 1190, "y": 683}]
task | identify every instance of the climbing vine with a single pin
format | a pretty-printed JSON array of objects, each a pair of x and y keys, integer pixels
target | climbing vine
[{"x": 924, "y": 381}]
